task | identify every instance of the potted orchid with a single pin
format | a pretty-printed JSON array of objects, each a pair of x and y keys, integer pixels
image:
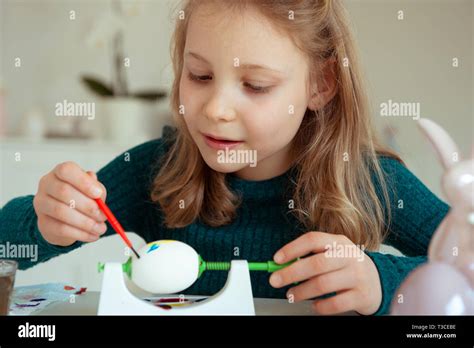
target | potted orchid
[{"x": 124, "y": 115}]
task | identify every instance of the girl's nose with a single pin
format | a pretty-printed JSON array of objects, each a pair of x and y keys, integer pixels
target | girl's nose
[{"x": 220, "y": 108}]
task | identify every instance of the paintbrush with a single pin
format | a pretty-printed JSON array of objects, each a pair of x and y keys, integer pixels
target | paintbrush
[{"x": 115, "y": 224}]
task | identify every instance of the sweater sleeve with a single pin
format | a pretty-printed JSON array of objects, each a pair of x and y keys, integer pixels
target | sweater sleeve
[
  {"x": 416, "y": 212},
  {"x": 127, "y": 179}
]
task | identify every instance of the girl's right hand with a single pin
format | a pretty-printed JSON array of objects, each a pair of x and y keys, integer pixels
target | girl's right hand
[{"x": 65, "y": 205}]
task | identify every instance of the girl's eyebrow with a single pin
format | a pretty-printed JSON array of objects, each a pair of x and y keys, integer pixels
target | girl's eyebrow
[{"x": 245, "y": 66}]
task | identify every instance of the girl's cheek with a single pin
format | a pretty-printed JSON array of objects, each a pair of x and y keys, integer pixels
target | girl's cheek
[
  {"x": 271, "y": 128},
  {"x": 188, "y": 101},
  {"x": 184, "y": 93},
  {"x": 264, "y": 119}
]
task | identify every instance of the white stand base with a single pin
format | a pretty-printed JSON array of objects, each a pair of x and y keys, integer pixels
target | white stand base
[{"x": 235, "y": 298}]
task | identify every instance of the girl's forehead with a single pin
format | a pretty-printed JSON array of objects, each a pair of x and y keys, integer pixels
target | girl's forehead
[
  {"x": 227, "y": 22},
  {"x": 250, "y": 38}
]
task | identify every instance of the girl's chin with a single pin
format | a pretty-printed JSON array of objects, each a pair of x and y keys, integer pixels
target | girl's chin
[{"x": 224, "y": 167}]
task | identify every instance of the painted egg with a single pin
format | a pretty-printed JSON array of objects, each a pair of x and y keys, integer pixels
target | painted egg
[{"x": 165, "y": 267}]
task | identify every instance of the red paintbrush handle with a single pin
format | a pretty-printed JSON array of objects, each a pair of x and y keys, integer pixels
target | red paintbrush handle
[{"x": 113, "y": 221}]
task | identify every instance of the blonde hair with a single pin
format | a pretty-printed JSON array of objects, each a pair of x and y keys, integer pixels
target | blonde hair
[{"x": 335, "y": 148}]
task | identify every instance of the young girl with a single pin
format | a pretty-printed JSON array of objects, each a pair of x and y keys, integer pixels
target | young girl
[{"x": 279, "y": 82}]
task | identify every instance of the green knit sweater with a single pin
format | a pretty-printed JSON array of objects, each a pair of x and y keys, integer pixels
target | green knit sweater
[{"x": 262, "y": 225}]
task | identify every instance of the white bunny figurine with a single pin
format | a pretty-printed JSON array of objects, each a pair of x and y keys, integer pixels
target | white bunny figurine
[{"x": 445, "y": 285}]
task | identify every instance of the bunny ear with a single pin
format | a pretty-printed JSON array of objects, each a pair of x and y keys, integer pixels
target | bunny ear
[{"x": 444, "y": 145}]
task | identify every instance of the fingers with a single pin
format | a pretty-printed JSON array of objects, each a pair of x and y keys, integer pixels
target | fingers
[
  {"x": 70, "y": 172},
  {"x": 344, "y": 301},
  {"x": 311, "y": 242},
  {"x": 64, "y": 230},
  {"x": 62, "y": 212},
  {"x": 91, "y": 173},
  {"x": 68, "y": 194},
  {"x": 306, "y": 268},
  {"x": 104, "y": 191},
  {"x": 66, "y": 208},
  {"x": 323, "y": 284}
]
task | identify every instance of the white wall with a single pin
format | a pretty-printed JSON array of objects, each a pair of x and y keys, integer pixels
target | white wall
[
  {"x": 54, "y": 52},
  {"x": 411, "y": 61}
]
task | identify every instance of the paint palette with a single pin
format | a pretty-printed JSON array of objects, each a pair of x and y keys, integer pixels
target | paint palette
[
  {"x": 34, "y": 298},
  {"x": 169, "y": 303}
]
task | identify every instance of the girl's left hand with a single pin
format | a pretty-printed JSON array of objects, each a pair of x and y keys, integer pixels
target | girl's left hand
[{"x": 338, "y": 266}]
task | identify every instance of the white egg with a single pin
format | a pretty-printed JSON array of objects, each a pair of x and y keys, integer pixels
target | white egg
[{"x": 165, "y": 267}]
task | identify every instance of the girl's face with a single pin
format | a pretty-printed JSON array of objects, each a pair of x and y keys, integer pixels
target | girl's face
[{"x": 243, "y": 81}]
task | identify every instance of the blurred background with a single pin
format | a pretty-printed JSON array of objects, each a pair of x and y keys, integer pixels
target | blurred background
[{"x": 109, "y": 62}]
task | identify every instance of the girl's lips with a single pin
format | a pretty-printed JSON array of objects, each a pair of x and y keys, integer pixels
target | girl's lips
[{"x": 220, "y": 144}]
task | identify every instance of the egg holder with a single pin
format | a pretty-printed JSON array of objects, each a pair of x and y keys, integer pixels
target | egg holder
[
  {"x": 235, "y": 298},
  {"x": 181, "y": 266}
]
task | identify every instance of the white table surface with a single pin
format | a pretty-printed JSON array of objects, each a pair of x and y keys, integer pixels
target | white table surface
[{"x": 87, "y": 304}]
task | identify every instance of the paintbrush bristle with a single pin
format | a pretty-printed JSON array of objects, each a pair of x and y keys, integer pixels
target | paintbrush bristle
[{"x": 135, "y": 252}]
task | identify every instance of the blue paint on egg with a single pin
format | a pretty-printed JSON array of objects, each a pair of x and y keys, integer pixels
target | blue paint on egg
[{"x": 153, "y": 247}]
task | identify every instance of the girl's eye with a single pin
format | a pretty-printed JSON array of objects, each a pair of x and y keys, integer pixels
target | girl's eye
[
  {"x": 204, "y": 78},
  {"x": 198, "y": 78},
  {"x": 257, "y": 89}
]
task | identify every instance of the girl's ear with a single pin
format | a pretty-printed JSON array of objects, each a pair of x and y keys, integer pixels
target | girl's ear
[{"x": 323, "y": 85}]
